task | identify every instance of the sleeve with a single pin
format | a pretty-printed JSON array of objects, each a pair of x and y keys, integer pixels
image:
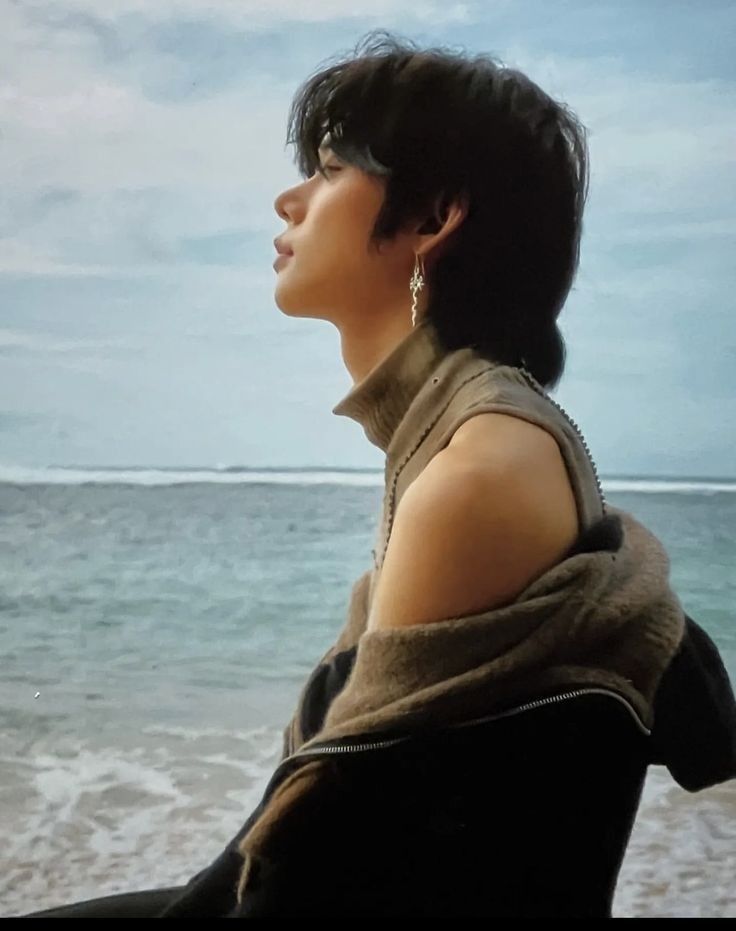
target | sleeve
[{"x": 343, "y": 840}]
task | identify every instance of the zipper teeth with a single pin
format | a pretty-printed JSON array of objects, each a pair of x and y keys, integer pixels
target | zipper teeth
[
  {"x": 551, "y": 699},
  {"x": 387, "y": 742},
  {"x": 541, "y": 390},
  {"x": 346, "y": 748}
]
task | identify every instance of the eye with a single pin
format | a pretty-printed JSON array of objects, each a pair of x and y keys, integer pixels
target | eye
[{"x": 325, "y": 168}]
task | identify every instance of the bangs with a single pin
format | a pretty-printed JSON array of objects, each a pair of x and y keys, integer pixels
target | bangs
[{"x": 353, "y": 107}]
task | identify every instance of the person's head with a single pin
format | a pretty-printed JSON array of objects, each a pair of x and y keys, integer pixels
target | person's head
[{"x": 457, "y": 158}]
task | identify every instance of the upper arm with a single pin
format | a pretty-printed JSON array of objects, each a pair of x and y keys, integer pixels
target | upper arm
[{"x": 469, "y": 535}]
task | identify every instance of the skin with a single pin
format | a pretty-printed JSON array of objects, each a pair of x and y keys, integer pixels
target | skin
[
  {"x": 333, "y": 275},
  {"x": 487, "y": 516},
  {"x": 494, "y": 509}
]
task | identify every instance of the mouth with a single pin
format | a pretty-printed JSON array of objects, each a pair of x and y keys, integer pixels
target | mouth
[
  {"x": 282, "y": 248},
  {"x": 281, "y": 258}
]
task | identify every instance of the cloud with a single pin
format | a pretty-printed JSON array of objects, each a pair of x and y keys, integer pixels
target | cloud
[
  {"x": 26, "y": 341},
  {"x": 95, "y": 138},
  {"x": 665, "y": 229},
  {"x": 140, "y": 174},
  {"x": 255, "y": 14},
  {"x": 17, "y": 258},
  {"x": 654, "y": 141}
]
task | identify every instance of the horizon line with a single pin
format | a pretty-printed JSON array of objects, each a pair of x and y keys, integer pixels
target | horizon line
[{"x": 631, "y": 476}]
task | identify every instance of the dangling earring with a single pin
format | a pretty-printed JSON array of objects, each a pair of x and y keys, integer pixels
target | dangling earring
[{"x": 416, "y": 285}]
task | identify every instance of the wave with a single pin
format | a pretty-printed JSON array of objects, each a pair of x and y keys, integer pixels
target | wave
[
  {"x": 156, "y": 475},
  {"x": 305, "y": 475}
]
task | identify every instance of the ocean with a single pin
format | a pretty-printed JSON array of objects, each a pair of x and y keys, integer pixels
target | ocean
[{"x": 156, "y": 627}]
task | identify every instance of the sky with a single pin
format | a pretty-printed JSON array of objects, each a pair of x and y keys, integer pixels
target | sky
[{"x": 142, "y": 146}]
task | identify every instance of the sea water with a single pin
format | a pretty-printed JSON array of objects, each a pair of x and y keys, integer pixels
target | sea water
[{"x": 156, "y": 628}]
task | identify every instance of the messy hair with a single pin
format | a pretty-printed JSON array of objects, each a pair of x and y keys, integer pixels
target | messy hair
[{"x": 439, "y": 125}]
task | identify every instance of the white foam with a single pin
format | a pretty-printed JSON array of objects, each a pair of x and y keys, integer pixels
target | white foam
[
  {"x": 85, "y": 821},
  {"x": 681, "y": 857},
  {"x": 55, "y": 475},
  {"x": 670, "y": 486},
  {"x": 233, "y": 475}
]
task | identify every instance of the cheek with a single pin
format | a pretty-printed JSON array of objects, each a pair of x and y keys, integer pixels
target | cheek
[
  {"x": 340, "y": 238},
  {"x": 333, "y": 261},
  {"x": 349, "y": 218}
]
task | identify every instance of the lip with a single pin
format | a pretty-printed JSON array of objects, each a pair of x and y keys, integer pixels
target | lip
[
  {"x": 281, "y": 259},
  {"x": 282, "y": 248}
]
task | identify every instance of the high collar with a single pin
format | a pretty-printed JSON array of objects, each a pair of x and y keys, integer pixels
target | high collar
[{"x": 381, "y": 399}]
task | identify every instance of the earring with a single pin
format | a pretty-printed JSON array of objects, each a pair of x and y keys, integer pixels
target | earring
[{"x": 416, "y": 285}]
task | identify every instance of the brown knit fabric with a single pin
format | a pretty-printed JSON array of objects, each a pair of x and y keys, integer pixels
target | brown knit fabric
[{"x": 601, "y": 618}]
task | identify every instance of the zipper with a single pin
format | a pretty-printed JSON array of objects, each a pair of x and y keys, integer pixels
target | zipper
[
  {"x": 551, "y": 699},
  {"x": 533, "y": 383},
  {"x": 327, "y": 748}
]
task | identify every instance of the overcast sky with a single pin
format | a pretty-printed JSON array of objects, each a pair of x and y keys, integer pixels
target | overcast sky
[{"x": 142, "y": 145}]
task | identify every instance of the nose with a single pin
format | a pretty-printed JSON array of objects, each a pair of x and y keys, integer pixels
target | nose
[
  {"x": 281, "y": 202},
  {"x": 279, "y": 208},
  {"x": 292, "y": 202}
]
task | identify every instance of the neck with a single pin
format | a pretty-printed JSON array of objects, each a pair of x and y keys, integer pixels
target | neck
[
  {"x": 388, "y": 374},
  {"x": 365, "y": 347}
]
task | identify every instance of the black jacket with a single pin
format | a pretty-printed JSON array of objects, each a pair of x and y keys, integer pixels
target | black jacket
[{"x": 524, "y": 814}]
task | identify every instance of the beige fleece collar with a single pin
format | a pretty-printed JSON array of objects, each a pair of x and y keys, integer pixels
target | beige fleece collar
[{"x": 379, "y": 401}]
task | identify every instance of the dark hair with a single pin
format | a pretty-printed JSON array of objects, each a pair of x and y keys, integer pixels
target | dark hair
[{"x": 441, "y": 125}]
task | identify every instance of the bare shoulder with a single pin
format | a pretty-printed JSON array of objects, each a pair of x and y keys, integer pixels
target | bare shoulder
[
  {"x": 492, "y": 441},
  {"x": 489, "y": 514},
  {"x": 504, "y": 466},
  {"x": 491, "y": 432}
]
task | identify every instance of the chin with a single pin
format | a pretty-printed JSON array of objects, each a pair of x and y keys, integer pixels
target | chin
[
  {"x": 285, "y": 299},
  {"x": 293, "y": 308},
  {"x": 290, "y": 301}
]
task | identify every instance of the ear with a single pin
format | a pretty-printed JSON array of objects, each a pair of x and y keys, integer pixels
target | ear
[{"x": 435, "y": 232}]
